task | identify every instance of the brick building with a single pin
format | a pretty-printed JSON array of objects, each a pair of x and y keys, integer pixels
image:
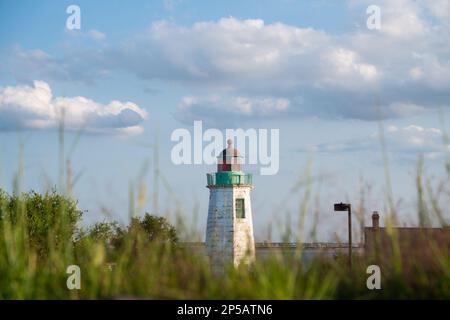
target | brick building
[{"x": 413, "y": 245}]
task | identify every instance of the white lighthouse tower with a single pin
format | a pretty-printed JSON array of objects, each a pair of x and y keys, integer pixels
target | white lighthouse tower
[{"x": 229, "y": 230}]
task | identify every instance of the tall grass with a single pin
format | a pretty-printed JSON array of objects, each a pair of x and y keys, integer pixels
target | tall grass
[
  {"x": 39, "y": 239},
  {"x": 33, "y": 263}
]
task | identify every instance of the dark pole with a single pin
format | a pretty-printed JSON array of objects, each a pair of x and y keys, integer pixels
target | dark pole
[
  {"x": 350, "y": 236},
  {"x": 347, "y": 207}
]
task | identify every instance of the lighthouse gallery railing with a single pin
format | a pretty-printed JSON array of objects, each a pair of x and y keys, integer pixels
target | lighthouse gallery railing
[{"x": 229, "y": 178}]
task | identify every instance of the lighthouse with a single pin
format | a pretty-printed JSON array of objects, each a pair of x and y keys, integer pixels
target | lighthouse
[{"x": 229, "y": 230}]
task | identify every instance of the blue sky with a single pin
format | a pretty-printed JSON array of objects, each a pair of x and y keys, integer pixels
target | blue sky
[{"x": 138, "y": 70}]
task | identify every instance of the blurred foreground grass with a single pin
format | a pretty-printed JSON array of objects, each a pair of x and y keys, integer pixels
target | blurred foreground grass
[{"x": 40, "y": 238}]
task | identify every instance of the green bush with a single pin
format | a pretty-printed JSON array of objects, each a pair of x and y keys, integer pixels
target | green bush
[{"x": 48, "y": 218}]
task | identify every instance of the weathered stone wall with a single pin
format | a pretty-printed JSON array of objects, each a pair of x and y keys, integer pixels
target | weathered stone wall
[
  {"x": 219, "y": 228},
  {"x": 229, "y": 240},
  {"x": 244, "y": 243}
]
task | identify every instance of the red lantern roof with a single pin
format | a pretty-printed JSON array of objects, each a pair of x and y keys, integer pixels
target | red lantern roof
[{"x": 229, "y": 159}]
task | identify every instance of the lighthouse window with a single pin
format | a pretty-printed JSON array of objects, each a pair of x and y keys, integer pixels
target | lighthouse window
[{"x": 240, "y": 208}]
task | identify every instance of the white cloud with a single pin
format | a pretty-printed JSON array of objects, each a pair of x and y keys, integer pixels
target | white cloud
[
  {"x": 402, "y": 19},
  {"x": 35, "y": 107},
  {"x": 329, "y": 75},
  {"x": 28, "y": 65},
  {"x": 411, "y": 139},
  {"x": 439, "y": 8},
  {"x": 404, "y": 109},
  {"x": 262, "y": 106},
  {"x": 92, "y": 34},
  {"x": 238, "y": 105},
  {"x": 416, "y": 138},
  {"x": 96, "y": 35},
  {"x": 431, "y": 70},
  {"x": 250, "y": 54},
  {"x": 346, "y": 69},
  {"x": 407, "y": 62},
  {"x": 223, "y": 109}
]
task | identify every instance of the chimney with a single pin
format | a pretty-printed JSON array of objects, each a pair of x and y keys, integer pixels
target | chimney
[{"x": 375, "y": 220}]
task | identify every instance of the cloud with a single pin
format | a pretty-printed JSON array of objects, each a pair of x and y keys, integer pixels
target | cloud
[
  {"x": 410, "y": 139},
  {"x": 233, "y": 53},
  {"x": 96, "y": 35},
  {"x": 35, "y": 108},
  {"x": 406, "y": 63},
  {"x": 224, "y": 110},
  {"x": 402, "y": 19},
  {"x": 26, "y": 65},
  {"x": 252, "y": 56},
  {"x": 413, "y": 137},
  {"x": 92, "y": 34},
  {"x": 438, "y": 8}
]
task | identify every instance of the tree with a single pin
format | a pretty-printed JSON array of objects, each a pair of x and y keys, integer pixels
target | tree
[
  {"x": 104, "y": 231},
  {"x": 154, "y": 229},
  {"x": 157, "y": 228},
  {"x": 49, "y": 219}
]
